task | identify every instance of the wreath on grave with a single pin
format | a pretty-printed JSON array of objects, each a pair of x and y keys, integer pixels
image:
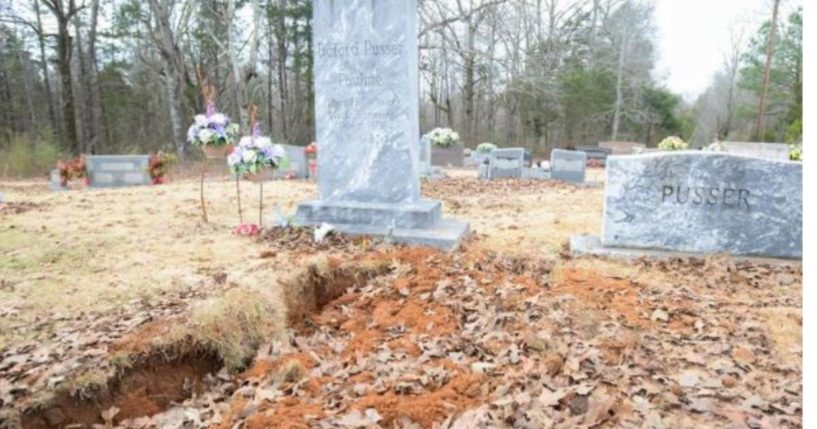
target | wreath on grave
[
  {"x": 486, "y": 147},
  {"x": 158, "y": 166},
  {"x": 443, "y": 137},
  {"x": 73, "y": 169},
  {"x": 673, "y": 143}
]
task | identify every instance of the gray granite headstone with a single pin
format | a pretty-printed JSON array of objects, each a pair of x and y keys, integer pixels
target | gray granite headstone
[
  {"x": 453, "y": 156},
  {"x": 506, "y": 163},
  {"x": 55, "y": 181},
  {"x": 704, "y": 202},
  {"x": 480, "y": 158},
  {"x": 112, "y": 171},
  {"x": 425, "y": 156},
  {"x": 568, "y": 165},
  {"x": 298, "y": 167},
  {"x": 622, "y": 148},
  {"x": 367, "y": 117}
]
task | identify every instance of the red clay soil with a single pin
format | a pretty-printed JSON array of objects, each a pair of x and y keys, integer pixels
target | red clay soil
[
  {"x": 146, "y": 389},
  {"x": 367, "y": 321}
]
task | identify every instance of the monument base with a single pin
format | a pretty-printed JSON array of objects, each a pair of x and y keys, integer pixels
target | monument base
[
  {"x": 588, "y": 245},
  {"x": 419, "y": 223}
]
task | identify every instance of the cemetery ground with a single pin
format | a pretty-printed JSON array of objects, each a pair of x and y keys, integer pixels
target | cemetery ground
[{"x": 122, "y": 308}]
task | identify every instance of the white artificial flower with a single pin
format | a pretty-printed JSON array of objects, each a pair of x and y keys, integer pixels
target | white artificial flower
[
  {"x": 249, "y": 156},
  {"x": 245, "y": 142},
  {"x": 234, "y": 158},
  {"x": 455, "y": 136},
  {"x": 218, "y": 119},
  {"x": 206, "y": 135},
  {"x": 201, "y": 120},
  {"x": 262, "y": 142}
]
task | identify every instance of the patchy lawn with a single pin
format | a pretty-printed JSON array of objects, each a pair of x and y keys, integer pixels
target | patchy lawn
[{"x": 122, "y": 306}]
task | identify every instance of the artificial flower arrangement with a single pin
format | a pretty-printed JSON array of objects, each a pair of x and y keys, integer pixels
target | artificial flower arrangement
[
  {"x": 673, "y": 143},
  {"x": 158, "y": 166},
  {"x": 443, "y": 137},
  {"x": 796, "y": 152},
  {"x": 312, "y": 154},
  {"x": 486, "y": 147},
  {"x": 256, "y": 157},
  {"x": 73, "y": 169},
  {"x": 311, "y": 151},
  {"x": 213, "y": 132}
]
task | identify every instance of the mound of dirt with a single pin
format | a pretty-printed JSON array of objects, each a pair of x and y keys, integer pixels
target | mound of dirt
[{"x": 476, "y": 339}]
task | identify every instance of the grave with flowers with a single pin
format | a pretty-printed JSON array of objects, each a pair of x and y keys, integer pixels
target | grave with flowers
[{"x": 447, "y": 149}]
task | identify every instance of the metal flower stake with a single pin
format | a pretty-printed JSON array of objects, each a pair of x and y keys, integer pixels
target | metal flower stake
[
  {"x": 215, "y": 134},
  {"x": 256, "y": 158}
]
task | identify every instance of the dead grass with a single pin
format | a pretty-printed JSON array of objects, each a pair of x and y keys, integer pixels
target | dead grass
[{"x": 118, "y": 252}]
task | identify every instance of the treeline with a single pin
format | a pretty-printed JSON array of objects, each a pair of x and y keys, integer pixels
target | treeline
[
  {"x": 119, "y": 76},
  {"x": 752, "y": 99}
]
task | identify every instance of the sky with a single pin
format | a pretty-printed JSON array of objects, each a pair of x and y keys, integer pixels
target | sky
[{"x": 694, "y": 35}]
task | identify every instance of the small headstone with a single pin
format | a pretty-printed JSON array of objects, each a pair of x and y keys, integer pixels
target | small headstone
[
  {"x": 506, "y": 163},
  {"x": 425, "y": 156},
  {"x": 770, "y": 151},
  {"x": 595, "y": 154},
  {"x": 535, "y": 173},
  {"x": 480, "y": 158},
  {"x": 55, "y": 180},
  {"x": 622, "y": 148},
  {"x": 568, "y": 165},
  {"x": 298, "y": 167},
  {"x": 704, "y": 202},
  {"x": 110, "y": 171},
  {"x": 453, "y": 156}
]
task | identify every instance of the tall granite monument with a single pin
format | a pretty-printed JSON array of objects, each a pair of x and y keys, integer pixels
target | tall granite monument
[{"x": 367, "y": 116}]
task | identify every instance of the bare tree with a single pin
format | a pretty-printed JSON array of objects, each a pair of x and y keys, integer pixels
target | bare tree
[{"x": 64, "y": 13}]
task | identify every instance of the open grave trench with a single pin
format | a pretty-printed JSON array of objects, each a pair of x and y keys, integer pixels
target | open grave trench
[{"x": 394, "y": 337}]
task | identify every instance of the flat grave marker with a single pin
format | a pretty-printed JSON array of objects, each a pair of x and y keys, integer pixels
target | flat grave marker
[{"x": 113, "y": 171}]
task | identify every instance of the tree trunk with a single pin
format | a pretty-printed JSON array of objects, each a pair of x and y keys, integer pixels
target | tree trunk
[
  {"x": 83, "y": 91},
  {"x": 98, "y": 112},
  {"x": 44, "y": 70},
  {"x": 173, "y": 74},
  {"x": 283, "y": 48},
  {"x": 68, "y": 108},
  {"x": 619, "y": 89},
  {"x": 760, "y": 130}
]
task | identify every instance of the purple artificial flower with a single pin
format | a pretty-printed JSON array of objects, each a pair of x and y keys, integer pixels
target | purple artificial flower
[{"x": 211, "y": 109}]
